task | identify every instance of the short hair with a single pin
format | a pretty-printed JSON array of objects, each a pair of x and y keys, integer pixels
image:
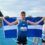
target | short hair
[
  {"x": 1, "y": 15},
  {"x": 23, "y": 12}
]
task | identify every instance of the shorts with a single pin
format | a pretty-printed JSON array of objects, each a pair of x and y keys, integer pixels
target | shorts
[{"x": 22, "y": 40}]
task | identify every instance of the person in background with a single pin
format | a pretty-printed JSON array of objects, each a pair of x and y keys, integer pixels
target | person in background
[
  {"x": 43, "y": 33},
  {"x": 1, "y": 18},
  {"x": 36, "y": 39},
  {"x": 22, "y": 27}
]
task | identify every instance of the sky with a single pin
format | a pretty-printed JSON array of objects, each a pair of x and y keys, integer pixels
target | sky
[{"x": 13, "y": 8}]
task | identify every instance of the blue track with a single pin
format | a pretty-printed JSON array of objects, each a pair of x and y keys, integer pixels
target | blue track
[{"x": 12, "y": 41}]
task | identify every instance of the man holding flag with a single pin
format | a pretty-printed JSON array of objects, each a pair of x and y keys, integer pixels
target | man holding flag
[{"x": 22, "y": 27}]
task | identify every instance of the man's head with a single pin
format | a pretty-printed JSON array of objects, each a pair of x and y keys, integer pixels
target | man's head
[{"x": 23, "y": 14}]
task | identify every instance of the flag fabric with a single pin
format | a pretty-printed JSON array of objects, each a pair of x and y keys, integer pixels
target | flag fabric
[
  {"x": 33, "y": 30},
  {"x": 10, "y": 31}
]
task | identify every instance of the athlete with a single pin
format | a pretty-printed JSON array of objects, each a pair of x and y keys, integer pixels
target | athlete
[
  {"x": 43, "y": 33},
  {"x": 1, "y": 19},
  {"x": 22, "y": 27}
]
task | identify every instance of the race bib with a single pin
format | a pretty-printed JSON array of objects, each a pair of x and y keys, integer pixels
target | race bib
[{"x": 23, "y": 28}]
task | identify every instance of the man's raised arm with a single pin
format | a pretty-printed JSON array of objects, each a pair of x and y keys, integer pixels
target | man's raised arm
[
  {"x": 39, "y": 21},
  {"x": 15, "y": 22},
  {"x": 30, "y": 22}
]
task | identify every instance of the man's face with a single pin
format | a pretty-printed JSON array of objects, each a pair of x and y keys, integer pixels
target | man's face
[{"x": 23, "y": 16}]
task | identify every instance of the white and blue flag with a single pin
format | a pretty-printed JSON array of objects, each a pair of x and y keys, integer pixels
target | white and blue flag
[
  {"x": 33, "y": 30},
  {"x": 10, "y": 31}
]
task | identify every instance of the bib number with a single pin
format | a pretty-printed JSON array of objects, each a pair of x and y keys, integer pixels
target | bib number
[{"x": 23, "y": 28}]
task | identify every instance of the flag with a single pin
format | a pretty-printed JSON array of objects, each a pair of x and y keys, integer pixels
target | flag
[
  {"x": 33, "y": 30},
  {"x": 10, "y": 31}
]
